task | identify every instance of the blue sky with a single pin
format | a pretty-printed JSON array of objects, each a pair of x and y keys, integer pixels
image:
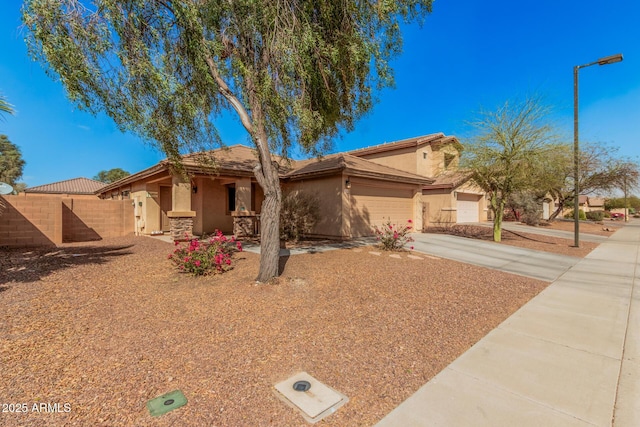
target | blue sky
[{"x": 468, "y": 55}]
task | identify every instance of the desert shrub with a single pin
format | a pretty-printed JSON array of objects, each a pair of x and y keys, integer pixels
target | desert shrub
[
  {"x": 595, "y": 215},
  {"x": 299, "y": 213},
  {"x": 209, "y": 257},
  {"x": 581, "y": 215},
  {"x": 393, "y": 237},
  {"x": 528, "y": 207},
  {"x": 607, "y": 214}
]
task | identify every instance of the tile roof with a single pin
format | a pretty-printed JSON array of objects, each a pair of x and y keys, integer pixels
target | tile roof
[
  {"x": 449, "y": 179},
  {"x": 353, "y": 165},
  {"x": 596, "y": 201},
  {"x": 433, "y": 139},
  {"x": 232, "y": 160},
  {"x": 236, "y": 158},
  {"x": 69, "y": 186}
]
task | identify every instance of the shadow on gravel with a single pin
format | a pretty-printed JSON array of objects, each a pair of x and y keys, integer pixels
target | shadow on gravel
[{"x": 27, "y": 265}]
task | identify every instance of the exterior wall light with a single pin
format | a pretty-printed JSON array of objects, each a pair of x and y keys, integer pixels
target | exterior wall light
[{"x": 347, "y": 184}]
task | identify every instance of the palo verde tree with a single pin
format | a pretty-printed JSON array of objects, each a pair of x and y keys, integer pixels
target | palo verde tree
[
  {"x": 293, "y": 71},
  {"x": 509, "y": 144}
]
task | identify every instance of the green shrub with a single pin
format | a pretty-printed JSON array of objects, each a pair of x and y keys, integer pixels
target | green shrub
[
  {"x": 299, "y": 213},
  {"x": 595, "y": 215},
  {"x": 581, "y": 215},
  {"x": 607, "y": 214}
]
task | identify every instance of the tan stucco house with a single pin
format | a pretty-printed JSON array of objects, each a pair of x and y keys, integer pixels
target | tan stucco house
[{"x": 414, "y": 179}]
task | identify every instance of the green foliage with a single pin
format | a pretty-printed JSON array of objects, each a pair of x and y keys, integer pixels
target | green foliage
[
  {"x": 618, "y": 202},
  {"x": 11, "y": 162},
  {"x": 165, "y": 71},
  {"x": 112, "y": 175},
  {"x": 299, "y": 214},
  {"x": 509, "y": 152},
  {"x": 581, "y": 215},
  {"x": 5, "y": 107},
  {"x": 528, "y": 206},
  {"x": 201, "y": 258},
  {"x": 595, "y": 215},
  {"x": 393, "y": 237}
]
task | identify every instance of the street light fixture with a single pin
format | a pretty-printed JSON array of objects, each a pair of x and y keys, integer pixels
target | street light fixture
[{"x": 576, "y": 148}]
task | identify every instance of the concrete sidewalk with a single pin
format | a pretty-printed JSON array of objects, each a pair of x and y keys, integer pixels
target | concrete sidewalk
[{"x": 569, "y": 357}]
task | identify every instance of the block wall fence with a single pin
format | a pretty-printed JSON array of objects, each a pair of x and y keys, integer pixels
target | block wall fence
[{"x": 52, "y": 220}]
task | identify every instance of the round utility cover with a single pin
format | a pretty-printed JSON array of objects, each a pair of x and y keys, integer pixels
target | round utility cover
[
  {"x": 301, "y": 385},
  {"x": 169, "y": 402},
  {"x": 5, "y": 188}
]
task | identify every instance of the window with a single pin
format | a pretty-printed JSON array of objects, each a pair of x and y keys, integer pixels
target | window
[
  {"x": 231, "y": 198},
  {"x": 424, "y": 155}
]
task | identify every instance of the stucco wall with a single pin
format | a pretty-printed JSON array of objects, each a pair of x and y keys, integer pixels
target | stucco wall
[
  {"x": 404, "y": 159},
  {"x": 441, "y": 205},
  {"x": 329, "y": 194},
  {"x": 211, "y": 212}
]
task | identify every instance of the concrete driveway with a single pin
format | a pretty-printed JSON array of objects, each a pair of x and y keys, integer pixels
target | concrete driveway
[{"x": 525, "y": 262}]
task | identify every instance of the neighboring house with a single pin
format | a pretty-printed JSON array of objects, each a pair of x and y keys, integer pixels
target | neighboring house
[
  {"x": 595, "y": 204},
  {"x": 414, "y": 179},
  {"x": 76, "y": 187},
  {"x": 586, "y": 204}
]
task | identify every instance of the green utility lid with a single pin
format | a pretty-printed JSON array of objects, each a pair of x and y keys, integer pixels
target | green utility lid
[{"x": 165, "y": 403}]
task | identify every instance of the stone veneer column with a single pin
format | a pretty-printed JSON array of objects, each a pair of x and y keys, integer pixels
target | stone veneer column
[{"x": 181, "y": 216}]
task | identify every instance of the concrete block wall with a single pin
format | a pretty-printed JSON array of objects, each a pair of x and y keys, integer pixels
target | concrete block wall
[
  {"x": 52, "y": 220},
  {"x": 33, "y": 221},
  {"x": 86, "y": 220}
]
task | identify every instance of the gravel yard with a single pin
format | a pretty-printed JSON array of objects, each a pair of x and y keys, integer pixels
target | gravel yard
[{"x": 106, "y": 326}]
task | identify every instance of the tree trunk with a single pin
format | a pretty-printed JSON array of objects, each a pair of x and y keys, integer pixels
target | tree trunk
[
  {"x": 269, "y": 226},
  {"x": 266, "y": 174},
  {"x": 498, "y": 213}
]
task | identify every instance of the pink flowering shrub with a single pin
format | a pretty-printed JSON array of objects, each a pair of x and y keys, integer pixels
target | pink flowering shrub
[
  {"x": 393, "y": 237},
  {"x": 200, "y": 258}
]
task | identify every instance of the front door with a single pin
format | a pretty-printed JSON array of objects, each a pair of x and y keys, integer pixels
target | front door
[{"x": 165, "y": 206}]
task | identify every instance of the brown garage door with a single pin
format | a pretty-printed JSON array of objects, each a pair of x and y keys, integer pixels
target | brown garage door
[{"x": 372, "y": 206}]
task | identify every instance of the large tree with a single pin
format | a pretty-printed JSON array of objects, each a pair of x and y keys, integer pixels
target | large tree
[
  {"x": 293, "y": 71},
  {"x": 602, "y": 170},
  {"x": 509, "y": 148},
  {"x": 11, "y": 162},
  {"x": 112, "y": 175}
]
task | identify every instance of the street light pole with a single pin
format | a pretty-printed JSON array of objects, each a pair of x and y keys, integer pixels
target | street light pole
[{"x": 576, "y": 146}]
